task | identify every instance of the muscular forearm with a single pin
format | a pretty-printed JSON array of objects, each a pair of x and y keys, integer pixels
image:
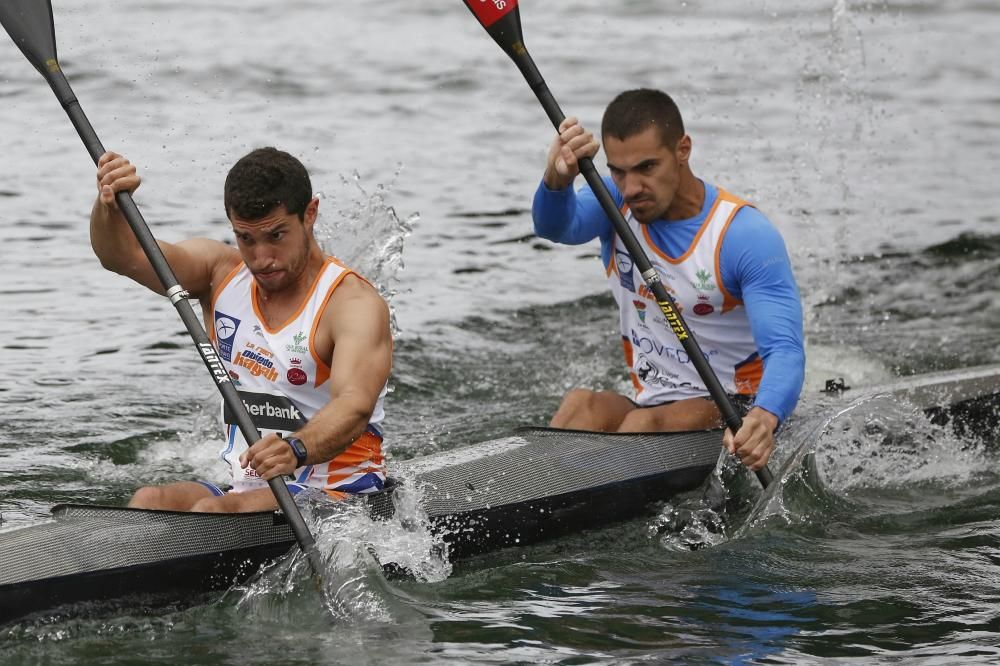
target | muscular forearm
[
  {"x": 333, "y": 428},
  {"x": 113, "y": 241}
]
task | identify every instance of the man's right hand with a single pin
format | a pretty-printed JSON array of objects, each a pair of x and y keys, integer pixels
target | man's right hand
[
  {"x": 571, "y": 144},
  {"x": 115, "y": 174}
]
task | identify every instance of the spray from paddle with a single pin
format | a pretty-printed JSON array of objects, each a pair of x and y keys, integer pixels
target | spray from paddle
[{"x": 365, "y": 232}]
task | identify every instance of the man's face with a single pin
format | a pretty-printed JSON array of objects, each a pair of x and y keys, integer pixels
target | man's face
[
  {"x": 276, "y": 246},
  {"x": 646, "y": 172}
]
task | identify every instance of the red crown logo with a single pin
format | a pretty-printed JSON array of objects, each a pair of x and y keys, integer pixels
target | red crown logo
[{"x": 296, "y": 361}]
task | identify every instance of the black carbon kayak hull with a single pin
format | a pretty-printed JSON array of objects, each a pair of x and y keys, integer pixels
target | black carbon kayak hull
[{"x": 536, "y": 485}]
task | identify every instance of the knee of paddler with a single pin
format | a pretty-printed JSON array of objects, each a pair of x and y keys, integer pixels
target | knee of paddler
[
  {"x": 210, "y": 505},
  {"x": 148, "y": 497}
]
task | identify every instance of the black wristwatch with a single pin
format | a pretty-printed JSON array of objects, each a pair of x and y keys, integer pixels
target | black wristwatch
[{"x": 298, "y": 448}]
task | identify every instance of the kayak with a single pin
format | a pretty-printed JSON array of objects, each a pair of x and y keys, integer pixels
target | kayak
[{"x": 537, "y": 484}]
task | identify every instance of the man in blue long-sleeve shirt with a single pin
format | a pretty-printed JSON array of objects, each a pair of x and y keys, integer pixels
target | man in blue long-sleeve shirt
[{"x": 724, "y": 263}]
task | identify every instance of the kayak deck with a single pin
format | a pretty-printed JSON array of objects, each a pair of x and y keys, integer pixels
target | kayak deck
[{"x": 537, "y": 484}]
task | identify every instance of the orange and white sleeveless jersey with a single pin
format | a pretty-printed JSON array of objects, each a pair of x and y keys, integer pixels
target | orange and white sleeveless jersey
[
  {"x": 283, "y": 383},
  {"x": 660, "y": 368}
]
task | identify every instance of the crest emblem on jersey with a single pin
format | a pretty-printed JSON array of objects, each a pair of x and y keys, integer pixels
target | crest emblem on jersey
[
  {"x": 703, "y": 306},
  {"x": 225, "y": 332},
  {"x": 640, "y": 308},
  {"x": 296, "y": 375}
]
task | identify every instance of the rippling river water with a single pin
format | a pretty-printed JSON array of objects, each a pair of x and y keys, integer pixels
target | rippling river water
[{"x": 868, "y": 132}]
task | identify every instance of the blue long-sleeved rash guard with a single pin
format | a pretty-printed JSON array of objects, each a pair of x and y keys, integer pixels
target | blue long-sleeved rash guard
[{"x": 754, "y": 266}]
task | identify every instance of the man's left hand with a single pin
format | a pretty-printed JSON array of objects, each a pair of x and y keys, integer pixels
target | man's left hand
[
  {"x": 754, "y": 442},
  {"x": 270, "y": 457}
]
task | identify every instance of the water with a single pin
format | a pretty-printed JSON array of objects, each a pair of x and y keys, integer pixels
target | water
[{"x": 867, "y": 131}]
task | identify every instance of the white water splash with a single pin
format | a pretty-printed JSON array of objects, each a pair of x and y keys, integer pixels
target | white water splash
[
  {"x": 892, "y": 443},
  {"x": 699, "y": 519},
  {"x": 406, "y": 541},
  {"x": 878, "y": 441},
  {"x": 356, "y": 550},
  {"x": 797, "y": 466},
  {"x": 365, "y": 232},
  {"x": 875, "y": 442}
]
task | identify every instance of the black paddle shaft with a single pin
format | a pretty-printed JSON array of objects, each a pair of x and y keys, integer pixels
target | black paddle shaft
[
  {"x": 33, "y": 31},
  {"x": 504, "y": 25}
]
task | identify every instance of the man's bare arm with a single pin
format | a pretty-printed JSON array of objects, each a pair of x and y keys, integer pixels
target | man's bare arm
[
  {"x": 192, "y": 261},
  {"x": 359, "y": 369}
]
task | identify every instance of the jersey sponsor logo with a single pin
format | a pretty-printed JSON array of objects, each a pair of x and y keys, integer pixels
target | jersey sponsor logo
[
  {"x": 703, "y": 307},
  {"x": 296, "y": 375},
  {"x": 651, "y": 346},
  {"x": 652, "y": 375},
  {"x": 705, "y": 281},
  {"x": 258, "y": 361},
  {"x": 624, "y": 264},
  {"x": 297, "y": 347},
  {"x": 268, "y": 412},
  {"x": 225, "y": 331}
]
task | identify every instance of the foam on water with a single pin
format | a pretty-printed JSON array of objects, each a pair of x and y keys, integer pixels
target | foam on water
[
  {"x": 354, "y": 549},
  {"x": 876, "y": 444}
]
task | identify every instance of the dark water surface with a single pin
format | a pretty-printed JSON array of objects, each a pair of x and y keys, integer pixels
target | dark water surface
[{"x": 869, "y": 133}]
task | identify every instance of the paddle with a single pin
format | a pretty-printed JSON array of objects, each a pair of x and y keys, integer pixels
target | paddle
[
  {"x": 30, "y": 25},
  {"x": 502, "y": 20}
]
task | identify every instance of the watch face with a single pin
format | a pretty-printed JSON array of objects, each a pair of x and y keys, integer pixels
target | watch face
[{"x": 298, "y": 448}]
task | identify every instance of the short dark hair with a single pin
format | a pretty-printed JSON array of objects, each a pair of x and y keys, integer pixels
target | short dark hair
[
  {"x": 634, "y": 111},
  {"x": 264, "y": 179}
]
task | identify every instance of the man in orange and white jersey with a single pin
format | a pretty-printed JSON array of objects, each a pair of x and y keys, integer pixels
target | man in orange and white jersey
[
  {"x": 723, "y": 261},
  {"x": 305, "y": 340}
]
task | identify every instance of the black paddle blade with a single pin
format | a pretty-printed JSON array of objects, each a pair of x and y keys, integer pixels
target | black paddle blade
[
  {"x": 29, "y": 24},
  {"x": 502, "y": 19}
]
